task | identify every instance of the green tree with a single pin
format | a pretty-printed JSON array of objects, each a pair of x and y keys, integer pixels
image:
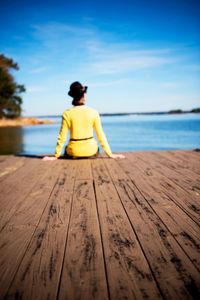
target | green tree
[{"x": 10, "y": 100}]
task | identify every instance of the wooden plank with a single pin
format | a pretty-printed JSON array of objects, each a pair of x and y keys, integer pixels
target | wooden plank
[
  {"x": 13, "y": 244},
  {"x": 17, "y": 187},
  {"x": 17, "y": 234},
  {"x": 195, "y": 153},
  {"x": 189, "y": 180},
  {"x": 181, "y": 226},
  {"x": 4, "y": 160},
  {"x": 32, "y": 202},
  {"x": 129, "y": 275},
  {"x": 183, "y": 160},
  {"x": 191, "y": 155},
  {"x": 11, "y": 183},
  {"x": 185, "y": 178},
  {"x": 174, "y": 185},
  {"x": 116, "y": 245},
  {"x": 172, "y": 269},
  {"x": 9, "y": 165},
  {"x": 178, "y": 190},
  {"x": 4, "y": 157},
  {"x": 84, "y": 170},
  {"x": 83, "y": 275},
  {"x": 172, "y": 163},
  {"x": 189, "y": 203}
]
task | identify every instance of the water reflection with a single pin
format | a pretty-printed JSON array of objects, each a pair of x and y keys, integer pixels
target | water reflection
[{"x": 11, "y": 140}]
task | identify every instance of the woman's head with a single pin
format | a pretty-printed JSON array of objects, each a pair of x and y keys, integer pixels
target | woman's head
[{"x": 77, "y": 91}]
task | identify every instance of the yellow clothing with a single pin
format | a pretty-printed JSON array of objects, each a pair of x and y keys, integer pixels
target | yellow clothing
[{"x": 81, "y": 120}]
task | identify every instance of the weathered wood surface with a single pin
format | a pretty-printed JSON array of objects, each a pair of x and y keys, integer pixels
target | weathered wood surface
[{"x": 101, "y": 228}]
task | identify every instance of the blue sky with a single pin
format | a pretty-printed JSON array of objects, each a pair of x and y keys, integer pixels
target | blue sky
[{"x": 133, "y": 55}]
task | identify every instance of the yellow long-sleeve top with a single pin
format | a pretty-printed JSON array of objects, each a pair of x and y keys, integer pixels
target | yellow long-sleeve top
[{"x": 81, "y": 121}]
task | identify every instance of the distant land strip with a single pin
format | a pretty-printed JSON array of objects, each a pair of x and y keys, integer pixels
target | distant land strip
[
  {"x": 23, "y": 121},
  {"x": 175, "y": 111}
]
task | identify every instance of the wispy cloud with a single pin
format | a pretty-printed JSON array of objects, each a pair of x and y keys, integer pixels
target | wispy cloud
[
  {"x": 122, "y": 63},
  {"x": 70, "y": 50},
  {"x": 56, "y": 29},
  {"x": 38, "y": 70},
  {"x": 122, "y": 58},
  {"x": 89, "y": 49},
  {"x": 55, "y": 35},
  {"x": 109, "y": 83},
  {"x": 36, "y": 89}
]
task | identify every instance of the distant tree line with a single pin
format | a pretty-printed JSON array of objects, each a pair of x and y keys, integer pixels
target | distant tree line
[
  {"x": 180, "y": 111},
  {"x": 195, "y": 110},
  {"x": 10, "y": 99}
]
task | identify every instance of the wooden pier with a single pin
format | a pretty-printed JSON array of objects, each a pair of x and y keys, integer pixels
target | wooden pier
[{"x": 101, "y": 228}]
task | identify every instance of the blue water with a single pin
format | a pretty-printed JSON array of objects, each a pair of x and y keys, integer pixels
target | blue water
[{"x": 124, "y": 133}]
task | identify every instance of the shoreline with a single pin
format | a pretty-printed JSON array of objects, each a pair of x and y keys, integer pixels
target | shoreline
[
  {"x": 23, "y": 121},
  {"x": 115, "y": 114},
  {"x": 171, "y": 112},
  {"x": 38, "y": 120}
]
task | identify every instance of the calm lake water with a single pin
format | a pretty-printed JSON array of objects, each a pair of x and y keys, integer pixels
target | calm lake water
[{"x": 124, "y": 133}]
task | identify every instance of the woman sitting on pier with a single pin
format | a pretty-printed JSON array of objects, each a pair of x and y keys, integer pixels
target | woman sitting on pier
[{"x": 81, "y": 120}]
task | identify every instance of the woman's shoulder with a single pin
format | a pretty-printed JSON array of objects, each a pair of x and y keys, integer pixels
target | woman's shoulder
[
  {"x": 66, "y": 113},
  {"x": 68, "y": 110},
  {"x": 71, "y": 110},
  {"x": 92, "y": 110}
]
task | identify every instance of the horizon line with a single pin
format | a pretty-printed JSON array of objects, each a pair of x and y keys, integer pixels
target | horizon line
[{"x": 172, "y": 111}]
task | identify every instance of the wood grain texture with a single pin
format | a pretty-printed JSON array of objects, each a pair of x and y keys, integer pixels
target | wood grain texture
[
  {"x": 83, "y": 275},
  {"x": 129, "y": 276},
  {"x": 16, "y": 187},
  {"x": 182, "y": 227},
  {"x": 174, "y": 185},
  {"x": 181, "y": 159},
  {"x": 10, "y": 164},
  {"x": 41, "y": 266},
  {"x": 158, "y": 244},
  {"x": 101, "y": 228},
  {"x": 17, "y": 234},
  {"x": 184, "y": 177}
]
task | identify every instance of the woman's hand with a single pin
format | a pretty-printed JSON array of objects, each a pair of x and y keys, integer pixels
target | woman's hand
[
  {"x": 49, "y": 158},
  {"x": 117, "y": 155}
]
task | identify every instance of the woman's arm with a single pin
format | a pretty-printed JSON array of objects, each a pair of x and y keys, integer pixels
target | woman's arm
[
  {"x": 62, "y": 136},
  {"x": 101, "y": 135},
  {"x": 61, "y": 139},
  {"x": 102, "y": 138}
]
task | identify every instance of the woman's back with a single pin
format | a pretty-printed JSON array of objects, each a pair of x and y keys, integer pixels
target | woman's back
[{"x": 80, "y": 121}]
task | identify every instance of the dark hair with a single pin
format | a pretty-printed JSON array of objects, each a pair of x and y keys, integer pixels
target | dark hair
[{"x": 76, "y": 91}]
